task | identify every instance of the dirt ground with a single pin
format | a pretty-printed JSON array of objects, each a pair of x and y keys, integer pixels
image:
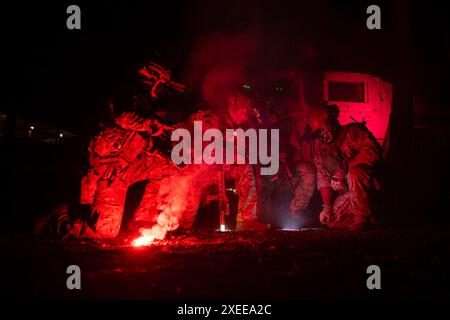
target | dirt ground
[{"x": 305, "y": 264}]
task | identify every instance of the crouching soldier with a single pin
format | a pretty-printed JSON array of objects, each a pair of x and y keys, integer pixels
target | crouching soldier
[
  {"x": 120, "y": 156},
  {"x": 345, "y": 158}
]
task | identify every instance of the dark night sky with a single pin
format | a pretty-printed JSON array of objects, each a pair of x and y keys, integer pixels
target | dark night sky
[{"x": 61, "y": 76}]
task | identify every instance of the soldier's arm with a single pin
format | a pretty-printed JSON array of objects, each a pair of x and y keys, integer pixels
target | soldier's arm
[
  {"x": 360, "y": 147},
  {"x": 155, "y": 127}
]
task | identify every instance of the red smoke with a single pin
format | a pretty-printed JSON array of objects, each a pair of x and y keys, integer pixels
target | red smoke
[{"x": 220, "y": 63}]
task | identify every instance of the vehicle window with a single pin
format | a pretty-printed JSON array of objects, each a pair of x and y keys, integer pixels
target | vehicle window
[{"x": 346, "y": 91}]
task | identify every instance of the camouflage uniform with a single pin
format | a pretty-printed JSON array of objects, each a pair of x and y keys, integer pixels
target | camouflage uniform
[
  {"x": 305, "y": 171},
  {"x": 120, "y": 157},
  {"x": 203, "y": 176},
  {"x": 349, "y": 161}
]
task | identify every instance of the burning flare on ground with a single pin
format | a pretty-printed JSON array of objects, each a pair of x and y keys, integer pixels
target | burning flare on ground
[
  {"x": 172, "y": 201},
  {"x": 147, "y": 237}
]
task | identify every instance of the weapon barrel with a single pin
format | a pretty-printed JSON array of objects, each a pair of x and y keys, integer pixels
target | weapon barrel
[{"x": 224, "y": 208}]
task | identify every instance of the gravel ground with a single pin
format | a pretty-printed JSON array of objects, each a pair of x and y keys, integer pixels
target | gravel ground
[{"x": 306, "y": 264}]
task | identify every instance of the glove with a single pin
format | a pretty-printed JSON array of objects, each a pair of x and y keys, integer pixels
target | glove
[
  {"x": 337, "y": 181},
  {"x": 326, "y": 215}
]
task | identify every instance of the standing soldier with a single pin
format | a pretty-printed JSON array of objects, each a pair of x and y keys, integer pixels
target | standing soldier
[
  {"x": 297, "y": 171},
  {"x": 301, "y": 142},
  {"x": 203, "y": 176}
]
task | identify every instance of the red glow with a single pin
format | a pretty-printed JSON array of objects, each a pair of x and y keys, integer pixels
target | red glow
[
  {"x": 148, "y": 236},
  {"x": 143, "y": 241},
  {"x": 375, "y": 107}
]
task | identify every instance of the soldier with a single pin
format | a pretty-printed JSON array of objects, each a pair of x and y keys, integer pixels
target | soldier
[
  {"x": 304, "y": 180},
  {"x": 345, "y": 158},
  {"x": 203, "y": 176},
  {"x": 292, "y": 188},
  {"x": 120, "y": 156}
]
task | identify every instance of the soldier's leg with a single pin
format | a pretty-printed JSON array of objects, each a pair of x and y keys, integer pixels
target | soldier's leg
[
  {"x": 200, "y": 178},
  {"x": 108, "y": 206},
  {"x": 154, "y": 169},
  {"x": 193, "y": 198},
  {"x": 304, "y": 189},
  {"x": 360, "y": 185},
  {"x": 147, "y": 211},
  {"x": 107, "y": 200},
  {"x": 352, "y": 210},
  {"x": 341, "y": 217},
  {"x": 110, "y": 198},
  {"x": 247, "y": 191}
]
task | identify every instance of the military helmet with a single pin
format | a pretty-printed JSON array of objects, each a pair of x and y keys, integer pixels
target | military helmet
[{"x": 324, "y": 120}]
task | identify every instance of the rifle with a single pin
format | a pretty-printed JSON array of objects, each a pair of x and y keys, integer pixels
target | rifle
[
  {"x": 224, "y": 207},
  {"x": 358, "y": 122}
]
